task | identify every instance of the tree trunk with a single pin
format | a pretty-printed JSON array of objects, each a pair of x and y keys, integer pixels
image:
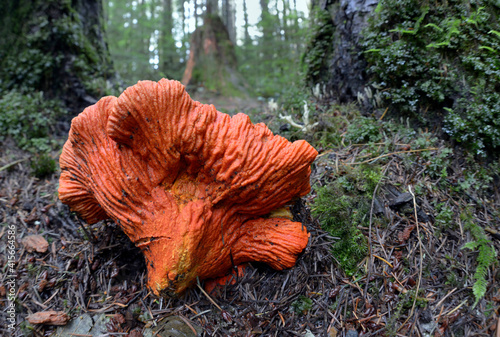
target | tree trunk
[
  {"x": 267, "y": 31},
  {"x": 212, "y": 59},
  {"x": 334, "y": 58},
  {"x": 212, "y": 7},
  {"x": 228, "y": 19},
  {"x": 246, "y": 39},
  {"x": 56, "y": 47},
  {"x": 167, "y": 43},
  {"x": 184, "y": 41}
]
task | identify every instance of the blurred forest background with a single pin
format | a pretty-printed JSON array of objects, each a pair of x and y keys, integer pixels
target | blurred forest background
[{"x": 259, "y": 42}]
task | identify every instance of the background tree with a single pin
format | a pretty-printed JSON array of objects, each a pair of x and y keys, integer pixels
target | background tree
[
  {"x": 212, "y": 58},
  {"x": 334, "y": 57},
  {"x": 54, "y": 62},
  {"x": 436, "y": 64},
  {"x": 48, "y": 47}
]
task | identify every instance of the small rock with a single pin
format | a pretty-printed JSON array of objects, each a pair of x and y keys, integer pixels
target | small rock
[
  {"x": 35, "y": 243},
  {"x": 285, "y": 127},
  {"x": 401, "y": 199},
  {"x": 378, "y": 208},
  {"x": 351, "y": 333},
  {"x": 49, "y": 317}
]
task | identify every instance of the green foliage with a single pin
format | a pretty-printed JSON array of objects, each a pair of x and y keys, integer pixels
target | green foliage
[
  {"x": 302, "y": 305},
  {"x": 28, "y": 119},
  {"x": 487, "y": 255},
  {"x": 46, "y": 45},
  {"x": 443, "y": 59},
  {"x": 271, "y": 64},
  {"x": 364, "y": 130},
  {"x": 344, "y": 205},
  {"x": 319, "y": 45},
  {"x": 476, "y": 123},
  {"x": 43, "y": 165},
  {"x": 140, "y": 43},
  {"x": 444, "y": 217}
]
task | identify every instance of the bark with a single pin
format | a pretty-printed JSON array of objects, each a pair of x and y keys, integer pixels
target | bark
[
  {"x": 228, "y": 19},
  {"x": 195, "y": 14},
  {"x": 247, "y": 40},
  {"x": 343, "y": 66},
  {"x": 167, "y": 41},
  {"x": 212, "y": 59},
  {"x": 212, "y": 7},
  {"x": 56, "y": 47}
]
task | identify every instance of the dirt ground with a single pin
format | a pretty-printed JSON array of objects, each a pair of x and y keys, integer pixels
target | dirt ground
[{"x": 95, "y": 270}]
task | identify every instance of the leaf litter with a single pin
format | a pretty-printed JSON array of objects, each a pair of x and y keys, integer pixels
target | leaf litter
[{"x": 415, "y": 281}]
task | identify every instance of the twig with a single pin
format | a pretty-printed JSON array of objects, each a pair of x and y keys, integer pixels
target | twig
[
  {"x": 455, "y": 309},
  {"x": 383, "y": 114},
  {"x": 12, "y": 164},
  {"x": 208, "y": 297},
  {"x": 370, "y": 257},
  {"x": 421, "y": 259},
  {"x": 445, "y": 297},
  {"x": 393, "y": 153},
  {"x": 381, "y": 258}
]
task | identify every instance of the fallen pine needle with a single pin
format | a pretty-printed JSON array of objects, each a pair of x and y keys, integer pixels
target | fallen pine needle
[
  {"x": 456, "y": 308},
  {"x": 446, "y": 296},
  {"x": 209, "y": 298},
  {"x": 381, "y": 258},
  {"x": 188, "y": 324},
  {"x": 383, "y": 114}
]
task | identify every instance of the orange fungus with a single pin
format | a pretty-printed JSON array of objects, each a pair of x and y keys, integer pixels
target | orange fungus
[{"x": 192, "y": 187}]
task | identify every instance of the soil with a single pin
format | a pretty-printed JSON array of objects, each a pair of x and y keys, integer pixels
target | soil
[{"x": 96, "y": 270}]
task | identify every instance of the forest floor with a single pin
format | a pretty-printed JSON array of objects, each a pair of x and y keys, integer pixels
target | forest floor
[{"x": 426, "y": 202}]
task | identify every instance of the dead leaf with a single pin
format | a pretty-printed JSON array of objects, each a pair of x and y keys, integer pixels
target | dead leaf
[
  {"x": 49, "y": 317},
  {"x": 332, "y": 332},
  {"x": 35, "y": 243}
]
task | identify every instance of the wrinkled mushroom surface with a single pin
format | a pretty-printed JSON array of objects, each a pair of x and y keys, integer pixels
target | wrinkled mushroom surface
[{"x": 191, "y": 186}]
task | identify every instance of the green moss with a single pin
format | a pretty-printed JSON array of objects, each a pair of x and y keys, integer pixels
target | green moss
[
  {"x": 342, "y": 207},
  {"x": 29, "y": 119},
  {"x": 440, "y": 63},
  {"x": 43, "y": 165}
]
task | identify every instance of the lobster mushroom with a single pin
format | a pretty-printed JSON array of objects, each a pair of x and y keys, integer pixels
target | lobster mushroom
[{"x": 193, "y": 188}]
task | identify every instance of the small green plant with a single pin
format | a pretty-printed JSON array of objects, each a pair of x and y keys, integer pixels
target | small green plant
[
  {"x": 26, "y": 328},
  {"x": 344, "y": 205},
  {"x": 43, "y": 165},
  {"x": 302, "y": 305},
  {"x": 444, "y": 217},
  {"x": 364, "y": 130},
  {"x": 28, "y": 118},
  {"x": 440, "y": 64},
  {"x": 486, "y": 257}
]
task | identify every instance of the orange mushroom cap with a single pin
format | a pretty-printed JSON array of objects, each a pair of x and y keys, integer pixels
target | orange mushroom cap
[{"x": 191, "y": 186}]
